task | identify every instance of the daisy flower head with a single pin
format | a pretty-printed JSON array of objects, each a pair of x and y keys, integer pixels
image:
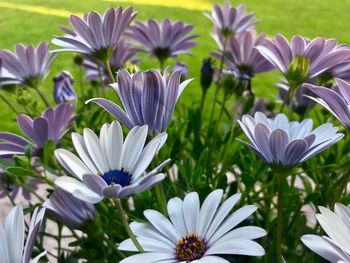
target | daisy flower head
[
  {"x": 108, "y": 165},
  {"x": 195, "y": 233}
]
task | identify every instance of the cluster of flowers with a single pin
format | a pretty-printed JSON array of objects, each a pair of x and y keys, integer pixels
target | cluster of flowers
[{"x": 109, "y": 166}]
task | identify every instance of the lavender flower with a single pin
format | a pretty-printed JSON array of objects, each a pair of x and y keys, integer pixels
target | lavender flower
[
  {"x": 69, "y": 210},
  {"x": 303, "y": 59},
  {"x": 283, "y": 144},
  {"x": 109, "y": 166},
  {"x": 27, "y": 65},
  {"x": 95, "y": 35},
  {"x": 164, "y": 39},
  {"x": 147, "y": 97},
  {"x": 12, "y": 247},
  {"x": 120, "y": 56},
  {"x": 63, "y": 88},
  {"x": 241, "y": 55},
  {"x": 195, "y": 233},
  {"x": 230, "y": 20},
  {"x": 336, "y": 101},
  {"x": 52, "y": 125},
  {"x": 335, "y": 247}
]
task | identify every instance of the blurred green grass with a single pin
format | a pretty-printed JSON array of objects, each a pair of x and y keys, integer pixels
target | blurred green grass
[{"x": 308, "y": 18}]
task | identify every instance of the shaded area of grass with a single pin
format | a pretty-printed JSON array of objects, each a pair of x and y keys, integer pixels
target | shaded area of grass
[{"x": 308, "y": 18}]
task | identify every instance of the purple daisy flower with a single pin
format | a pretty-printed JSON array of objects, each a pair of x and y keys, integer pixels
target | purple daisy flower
[
  {"x": 283, "y": 144},
  {"x": 314, "y": 56},
  {"x": 27, "y": 65},
  {"x": 120, "y": 56},
  {"x": 52, "y": 125},
  {"x": 63, "y": 88},
  {"x": 69, "y": 210},
  {"x": 336, "y": 101},
  {"x": 163, "y": 40},
  {"x": 229, "y": 20},
  {"x": 94, "y": 34},
  {"x": 241, "y": 55},
  {"x": 110, "y": 166},
  {"x": 148, "y": 98}
]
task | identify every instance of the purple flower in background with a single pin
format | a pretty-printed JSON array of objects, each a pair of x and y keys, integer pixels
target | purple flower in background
[
  {"x": 95, "y": 35},
  {"x": 27, "y": 65},
  {"x": 336, "y": 101},
  {"x": 148, "y": 98},
  {"x": 52, "y": 125},
  {"x": 164, "y": 39},
  {"x": 335, "y": 247},
  {"x": 283, "y": 144},
  {"x": 108, "y": 165},
  {"x": 303, "y": 56},
  {"x": 241, "y": 55},
  {"x": 120, "y": 56},
  {"x": 69, "y": 210},
  {"x": 63, "y": 88},
  {"x": 12, "y": 235},
  {"x": 229, "y": 20},
  {"x": 183, "y": 68}
]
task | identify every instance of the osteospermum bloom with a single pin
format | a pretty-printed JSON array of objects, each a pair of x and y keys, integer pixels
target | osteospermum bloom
[
  {"x": 335, "y": 247},
  {"x": 94, "y": 34},
  {"x": 109, "y": 166},
  {"x": 229, "y": 20},
  {"x": 313, "y": 56},
  {"x": 12, "y": 246},
  {"x": 241, "y": 55},
  {"x": 194, "y": 233},
  {"x": 121, "y": 55},
  {"x": 336, "y": 101},
  {"x": 52, "y": 125},
  {"x": 148, "y": 98},
  {"x": 63, "y": 90},
  {"x": 283, "y": 144},
  {"x": 27, "y": 65},
  {"x": 69, "y": 210},
  {"x": 163, "y": 40}
]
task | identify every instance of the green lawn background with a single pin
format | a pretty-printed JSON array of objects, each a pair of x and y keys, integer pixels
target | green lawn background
[{"x": 308, "y": 18}]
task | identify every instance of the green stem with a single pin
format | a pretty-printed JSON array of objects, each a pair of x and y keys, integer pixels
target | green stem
[
  {"x": 161, "y": 198},
  {"x": 125, "y": 223},
  {"x": 109, "y": 71},
  {"x": 201, "y": 107},
  {"x": 42, "y": 96},
  {"x": 9, "y": 104},
  {"x": 279, "y": 218}
]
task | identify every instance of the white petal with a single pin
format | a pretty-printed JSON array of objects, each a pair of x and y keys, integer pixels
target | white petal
[
  {"x": 14, "y": 229},
  {"x": 149, "y": 257},
  {"x": 147, "y": 230},
  {"x": 210, "y": 259},
  {"x": 191, "y": 211},
  {"x": 175, "y": 212},
  {"x": 115, "y": 147},
  {"x": 237, "y": 247},
  {"x": 4, "y": 255}
]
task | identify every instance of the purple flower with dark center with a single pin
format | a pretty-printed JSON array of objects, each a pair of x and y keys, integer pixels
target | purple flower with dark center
[
  {"x": 94, "y": 34},
  {"x": 63, "y": 88},
  {"x": 336, "y": 101},
  {"x": 241, "y": 55},
  {"x": 69, "y": 210},
  {"x": 283, "y": 144},
  {"x": 27, "y": 65},
  {"x": 303, "y": 57},
  {"x": 120, "y": 56},
  {"x": 148, "y": 98},
  {"x": 110, "y": 166},
  {"x": 52, "y": 125},
  {"x": 163, "y": 40},
  {"x": 229, "y": 20}
]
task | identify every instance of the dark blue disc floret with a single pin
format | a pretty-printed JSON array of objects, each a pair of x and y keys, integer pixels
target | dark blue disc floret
[{"x": 117, "y": 177}]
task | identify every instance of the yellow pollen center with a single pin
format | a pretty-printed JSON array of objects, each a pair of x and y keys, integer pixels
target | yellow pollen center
[{"x": 190, "y": 247}]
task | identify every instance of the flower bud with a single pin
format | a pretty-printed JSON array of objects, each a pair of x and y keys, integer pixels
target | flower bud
[
  {"x": 298, "y": 70},
  {"x": 207, "y": 73},
  {"x": 63, "y": 88},
  {"x": 183, "y": 68}
]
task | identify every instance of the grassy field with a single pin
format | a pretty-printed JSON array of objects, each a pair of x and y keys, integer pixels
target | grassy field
[{"x": 33, "y": 21}]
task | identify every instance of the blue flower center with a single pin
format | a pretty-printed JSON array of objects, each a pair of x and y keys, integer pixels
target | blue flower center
[{"x": 117, "y": 177}]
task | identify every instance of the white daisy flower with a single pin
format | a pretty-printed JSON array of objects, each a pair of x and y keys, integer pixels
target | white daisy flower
[
  {"x": 109, "y": 166},
  {"x": 12, "y": 246},
  {"x": 336, "y": 246},
  {"x": 194, "y": 233}
]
